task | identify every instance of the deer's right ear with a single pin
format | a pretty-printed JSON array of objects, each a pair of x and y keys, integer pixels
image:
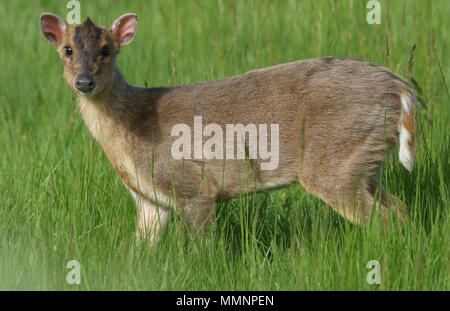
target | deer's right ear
[{"x": 53, "y": 28}]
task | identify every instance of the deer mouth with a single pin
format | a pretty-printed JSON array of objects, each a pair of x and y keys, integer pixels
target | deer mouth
[{"x": 88, "y": 93}]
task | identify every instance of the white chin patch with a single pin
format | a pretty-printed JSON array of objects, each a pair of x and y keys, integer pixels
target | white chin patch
[{"x": 87, "y": 94}]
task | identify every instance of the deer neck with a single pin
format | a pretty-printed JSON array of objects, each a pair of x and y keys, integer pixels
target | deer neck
[{"x": 103, "y": 113}]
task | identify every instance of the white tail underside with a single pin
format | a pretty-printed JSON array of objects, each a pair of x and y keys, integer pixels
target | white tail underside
[{"x": 405, "y": 154}]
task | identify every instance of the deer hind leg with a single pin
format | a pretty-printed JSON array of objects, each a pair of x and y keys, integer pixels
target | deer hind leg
[
  {"x": 353, "y": 190},
  {"x": 357, "y": 200},
  {"x": 390, "y": 204}
]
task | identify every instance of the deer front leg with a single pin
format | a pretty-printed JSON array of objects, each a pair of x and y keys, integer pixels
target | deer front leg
[{"x": 152, "y": 220}]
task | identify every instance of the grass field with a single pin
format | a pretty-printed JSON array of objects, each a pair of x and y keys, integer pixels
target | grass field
[{"x": 61, "y": 200}]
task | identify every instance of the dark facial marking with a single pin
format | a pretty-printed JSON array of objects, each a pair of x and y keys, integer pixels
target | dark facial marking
[{"x": 87, "y": 42}]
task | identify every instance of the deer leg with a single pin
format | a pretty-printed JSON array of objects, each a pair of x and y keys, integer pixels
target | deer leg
[
  {"x": 352, "y": 202},
  {"x": 198, "y": 215},
  {"x": 152, "y": 221},
  {"x": 389, "y": 203},
  {"x": 357, "y": 203},
  {"x": 356, "y": 198}
]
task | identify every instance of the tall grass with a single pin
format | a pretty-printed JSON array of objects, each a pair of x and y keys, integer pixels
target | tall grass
[{"x": 60, "y": 199}]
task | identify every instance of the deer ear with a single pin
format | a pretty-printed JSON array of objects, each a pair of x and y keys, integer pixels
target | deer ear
[
  {"x": 53, "y": 28},
  {"x": 124, "y": 28}
]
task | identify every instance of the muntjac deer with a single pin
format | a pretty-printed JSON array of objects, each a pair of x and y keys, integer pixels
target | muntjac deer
[{"x": 332, "y": 122}]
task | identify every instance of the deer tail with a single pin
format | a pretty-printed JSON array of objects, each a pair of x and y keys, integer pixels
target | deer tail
[{"x": 407, "y": 150}]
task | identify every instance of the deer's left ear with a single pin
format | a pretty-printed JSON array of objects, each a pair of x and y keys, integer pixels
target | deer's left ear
[{"x": 124, "y": 28}]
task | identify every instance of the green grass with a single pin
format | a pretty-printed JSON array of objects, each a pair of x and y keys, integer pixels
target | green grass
[{"x": 61, "y": 200}]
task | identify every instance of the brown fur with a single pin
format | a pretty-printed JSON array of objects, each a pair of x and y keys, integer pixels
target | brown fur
[
  {"x": 338, "y": 118},
  {"x": 408, "y": 124}
]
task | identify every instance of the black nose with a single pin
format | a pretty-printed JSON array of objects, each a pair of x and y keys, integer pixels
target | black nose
[{"x": 85, "y": 83}]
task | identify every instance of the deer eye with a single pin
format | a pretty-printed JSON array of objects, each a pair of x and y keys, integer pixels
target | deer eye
[
  {"x": 68, "y": 50},
  {"x": 105, "y": 51}
]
